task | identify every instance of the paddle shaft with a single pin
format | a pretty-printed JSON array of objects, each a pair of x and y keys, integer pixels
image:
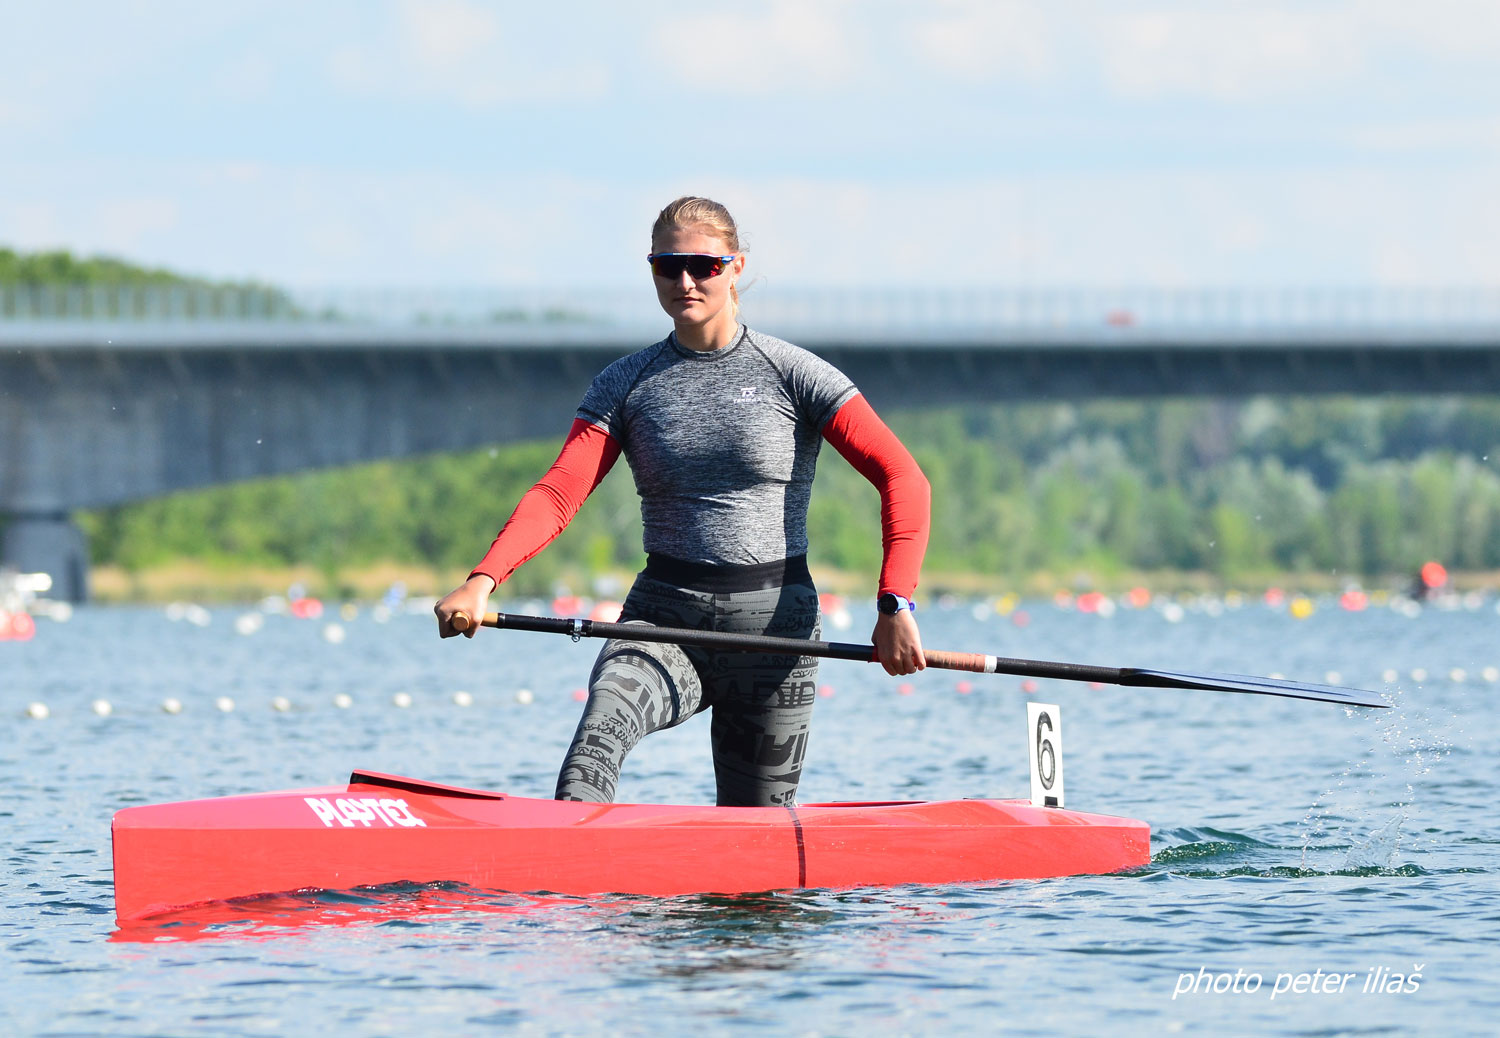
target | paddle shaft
[{"x": 975, "y": 662}]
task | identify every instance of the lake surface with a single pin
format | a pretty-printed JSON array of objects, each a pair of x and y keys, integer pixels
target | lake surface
[{"x": 1288, "y": 837}]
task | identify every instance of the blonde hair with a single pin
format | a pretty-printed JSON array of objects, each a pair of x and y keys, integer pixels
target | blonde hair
[{"x": 692, "y": 211}]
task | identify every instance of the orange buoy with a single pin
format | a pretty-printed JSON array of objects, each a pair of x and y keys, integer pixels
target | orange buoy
[
  {"x": 1090, "y": 601},
  {"x": 22, "y": 627},
  {"x": 307, "y": 608}
]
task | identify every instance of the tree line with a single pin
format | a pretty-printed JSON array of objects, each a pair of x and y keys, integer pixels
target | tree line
[{"x": 1362, "y": 488}]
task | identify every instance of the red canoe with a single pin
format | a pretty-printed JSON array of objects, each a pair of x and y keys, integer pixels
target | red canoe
[{"x": 386, "y": 829}]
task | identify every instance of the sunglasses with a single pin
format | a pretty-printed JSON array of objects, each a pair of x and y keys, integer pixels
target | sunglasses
[{"x": 700, "y": 265}]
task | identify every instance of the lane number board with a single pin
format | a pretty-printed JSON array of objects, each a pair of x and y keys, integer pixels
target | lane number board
[{"x": 1044, "y": 751}]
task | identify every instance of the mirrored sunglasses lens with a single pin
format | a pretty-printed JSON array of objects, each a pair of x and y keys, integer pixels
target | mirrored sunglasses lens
[
  {"x": 669, "y": 266},
  {"x": 700, "y": 267}
]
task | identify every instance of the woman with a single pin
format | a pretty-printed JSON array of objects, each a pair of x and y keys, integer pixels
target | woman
[{"x": 721, "y": 427}]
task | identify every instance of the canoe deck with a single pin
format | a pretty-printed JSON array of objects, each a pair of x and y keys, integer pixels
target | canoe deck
[{"x": 386, "y": 829}]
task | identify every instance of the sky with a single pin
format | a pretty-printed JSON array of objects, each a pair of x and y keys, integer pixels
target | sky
[{"x": 398, "y": 143}]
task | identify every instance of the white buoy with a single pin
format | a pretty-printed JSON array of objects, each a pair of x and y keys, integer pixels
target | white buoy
[
  {"x": 1490, "y": 674},
  {"x": 102, "y": 707},
  {"x": 524, "y": 696},
  {"x": 249, "y": 623},
  {"x": 1333, "y": 677},
  {"x": 463, "y": 699},
  {"x": 343, "y": 701},
  {"x": 38, "y": 712},
  {"x": 1390, "y": 677},
  {"x": 333, "y": 634},
  {"x": 198, "y": 616},
  {"x": 171, "y": 705},
  {"x": 1458, "y": 675},
  {"x": 1419, "y": 675},
  {"x": 1172, "y": 613},
  {"x": 281, "y": 704},
  {"x": 401, "y": 699},
  {"x": 224, "y": 704}
]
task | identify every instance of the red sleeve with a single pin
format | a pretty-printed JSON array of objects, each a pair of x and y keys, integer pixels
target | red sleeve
[
  {"x": 587, "y": 455},
  {"x": 857, "y": 433}
]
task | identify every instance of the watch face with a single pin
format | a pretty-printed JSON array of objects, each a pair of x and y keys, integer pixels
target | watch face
[{"x": 888, "y": 604}]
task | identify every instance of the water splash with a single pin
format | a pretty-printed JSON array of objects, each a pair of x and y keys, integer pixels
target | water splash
[{"x": 1369, "y": 814}]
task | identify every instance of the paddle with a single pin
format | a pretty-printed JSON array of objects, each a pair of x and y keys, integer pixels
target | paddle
[{"x": 970, "y": 661}]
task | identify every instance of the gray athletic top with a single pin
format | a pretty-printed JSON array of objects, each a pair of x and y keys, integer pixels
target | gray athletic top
[{"x": 722, "y": 444}]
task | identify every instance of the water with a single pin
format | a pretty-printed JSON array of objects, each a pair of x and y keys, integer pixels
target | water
[{"x": 1288, "y": 837}]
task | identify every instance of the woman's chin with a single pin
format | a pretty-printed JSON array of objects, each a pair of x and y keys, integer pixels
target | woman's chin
[{"x": 694, "y": 313}]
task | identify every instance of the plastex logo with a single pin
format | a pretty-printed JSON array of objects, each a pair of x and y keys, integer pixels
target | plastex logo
[{"x": 747, "y": 394}]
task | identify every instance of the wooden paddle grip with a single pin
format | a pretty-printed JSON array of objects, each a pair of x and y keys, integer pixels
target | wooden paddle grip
[
  {"x": 974, "y": 661},
  {"x": 462, "y": 621}
]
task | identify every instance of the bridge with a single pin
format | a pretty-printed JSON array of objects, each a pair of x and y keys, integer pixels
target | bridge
[{"x": 112, "y": 395}]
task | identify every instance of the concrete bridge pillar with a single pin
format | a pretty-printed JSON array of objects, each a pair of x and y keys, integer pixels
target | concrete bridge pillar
[{"x": 51, "y": 543}]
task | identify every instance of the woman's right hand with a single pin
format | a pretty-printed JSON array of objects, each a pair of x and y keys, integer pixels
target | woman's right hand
[{"x": 470, "y": 598}]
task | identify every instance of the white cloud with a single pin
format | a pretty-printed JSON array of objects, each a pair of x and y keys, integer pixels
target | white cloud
[
  {"x": 1242, "y": 52},
  {"x": 458, "y": 51},
  {"x": 793, "y": 45},
  {"x": 1440, "y": 28},
  {"x": 1427, "y": 136},
  {"x": 445, "y": 31},
  {"x": 1227, "y": 53},
  {"x": 985, "y": 40}
]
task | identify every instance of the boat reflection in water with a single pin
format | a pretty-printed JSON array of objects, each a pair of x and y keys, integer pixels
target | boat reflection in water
[
  {"x": 271, "y": 916},
  {"x": 277, "y": 916}
]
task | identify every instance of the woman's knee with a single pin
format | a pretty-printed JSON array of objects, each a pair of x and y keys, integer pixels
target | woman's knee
[{"x": 655, "y": 685}]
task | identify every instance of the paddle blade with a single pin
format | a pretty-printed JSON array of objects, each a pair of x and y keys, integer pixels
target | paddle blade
[{"x": 1254, "y": 685}]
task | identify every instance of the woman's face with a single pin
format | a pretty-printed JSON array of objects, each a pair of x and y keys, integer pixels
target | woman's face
[{"x": 686, "y": 300}]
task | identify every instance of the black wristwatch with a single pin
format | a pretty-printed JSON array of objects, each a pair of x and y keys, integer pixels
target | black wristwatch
[{"x": 890, "y": 604}]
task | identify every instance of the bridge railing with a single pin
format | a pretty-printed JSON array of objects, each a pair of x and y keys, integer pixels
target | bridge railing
[{"x": 901, "y": 308}]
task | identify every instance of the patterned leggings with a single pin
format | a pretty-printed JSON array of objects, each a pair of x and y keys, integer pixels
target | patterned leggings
[{"x": 762, "y": 704}]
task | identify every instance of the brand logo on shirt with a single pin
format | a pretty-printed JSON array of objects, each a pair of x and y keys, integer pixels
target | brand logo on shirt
[{"x": 747, "y": 394}]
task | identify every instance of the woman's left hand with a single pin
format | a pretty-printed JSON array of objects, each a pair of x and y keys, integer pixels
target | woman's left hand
[{"x": 898, "y": 643}]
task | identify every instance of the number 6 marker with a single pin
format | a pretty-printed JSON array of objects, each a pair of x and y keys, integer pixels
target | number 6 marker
[{"x": 1044, "y": 751}]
